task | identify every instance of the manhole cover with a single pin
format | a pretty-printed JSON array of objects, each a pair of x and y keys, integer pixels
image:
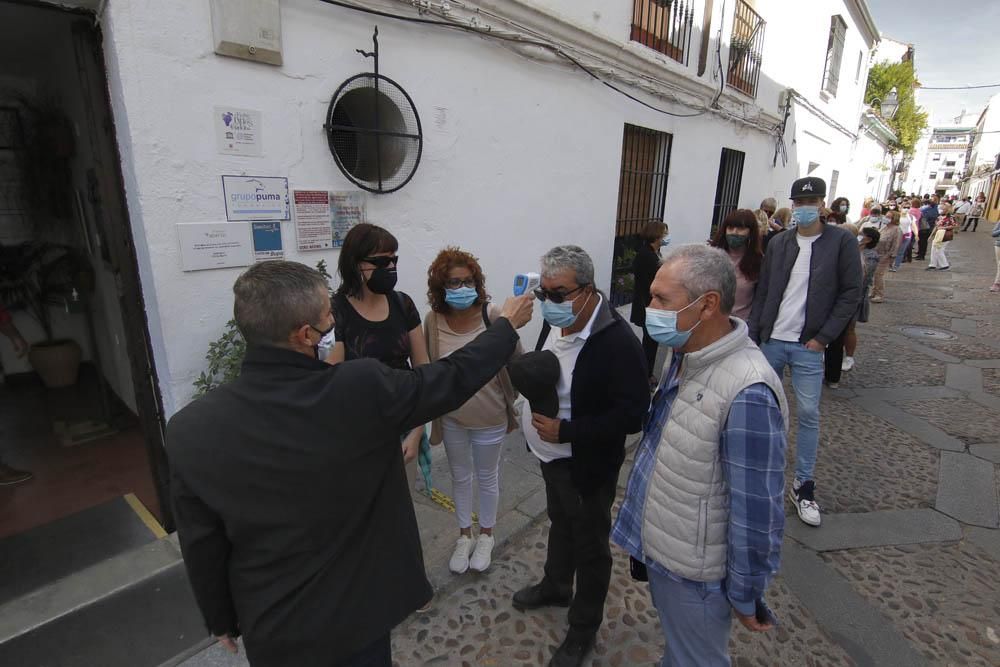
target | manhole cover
[{"x": 927, "y": 333}]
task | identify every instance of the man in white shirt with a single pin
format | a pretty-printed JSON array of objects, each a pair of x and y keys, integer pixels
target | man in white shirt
[
  {"x": 961, "y": 211},
  {"x": 603, "y": 395},
  {"x": 808, "y": 292}
]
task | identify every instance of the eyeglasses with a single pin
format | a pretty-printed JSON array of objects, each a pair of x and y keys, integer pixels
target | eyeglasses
[
  {"x": 555, "y": 297},
  {"x": 383, "y": 261},
  {"x": 455, "y": 283}
]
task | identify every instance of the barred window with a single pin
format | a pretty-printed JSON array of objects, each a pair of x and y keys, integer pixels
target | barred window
[
  {"x": 664, "y": 25},
  {"x": 745, "y": 48},
  {"x": 834, "y": 55}
]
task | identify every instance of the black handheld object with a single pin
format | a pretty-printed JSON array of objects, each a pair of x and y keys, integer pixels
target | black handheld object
[
  {"x": 637, "y": 569},
  {"x": 763, "y": 613}
]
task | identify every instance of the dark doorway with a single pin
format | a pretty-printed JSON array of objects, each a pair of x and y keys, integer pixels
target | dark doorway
[
  {"x": 727, "y": 188},
  {"x": 642, "y": 196},
  {"x": 80, "y": 411}
]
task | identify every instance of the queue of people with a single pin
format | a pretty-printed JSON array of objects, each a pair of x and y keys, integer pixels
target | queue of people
[{"x": 297, "y": 523}]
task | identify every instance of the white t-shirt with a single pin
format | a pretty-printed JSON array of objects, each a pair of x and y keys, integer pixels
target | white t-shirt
[
  {"x": 792, "y": 312},
  {"x": 964, "y": 208},
  {"x": 566, "y": 349}
]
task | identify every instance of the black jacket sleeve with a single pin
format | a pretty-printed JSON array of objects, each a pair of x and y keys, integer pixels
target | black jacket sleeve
[
  {"x": 849, "y": 281},
  {"x": 206, "y": 551},
  {"x": 627, "y": 395},
  {"x": 760, "y": 296},
  {"x": 409, "y": 399}
]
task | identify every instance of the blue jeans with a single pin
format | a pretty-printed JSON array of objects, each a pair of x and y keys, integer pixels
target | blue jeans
[
  {"x": 807, "y": 382},
  {"x": 696, "y": 620},
  {"x": 903, "y": 246}
]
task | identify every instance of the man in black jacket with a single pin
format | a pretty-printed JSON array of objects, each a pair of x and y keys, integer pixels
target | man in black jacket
[
  {"x": 603, "y": 396},
  {"x": 288, "y": 485},
  {"x": 807, "y": 294}
]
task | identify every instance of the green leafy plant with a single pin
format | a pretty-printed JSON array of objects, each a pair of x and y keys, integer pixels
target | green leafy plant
[
  {"x": 910, "y": 120},
  {"x": 225, "y": 355}
]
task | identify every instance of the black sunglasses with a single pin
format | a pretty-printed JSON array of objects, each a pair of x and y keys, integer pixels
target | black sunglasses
[
  {"x": 555, "y": 297},
  {"x": 383, "y": 261}
]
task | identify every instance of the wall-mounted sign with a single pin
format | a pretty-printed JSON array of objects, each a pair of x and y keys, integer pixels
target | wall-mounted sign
[
  {"x": 214, "y": 245},
  {"x": 323, "y": 218},
  {"x": 255, "y": 198},
  {"x": 348, "y": 209},
  {"x": 237, "y": 131},
  {"x": 267, "y": 241}
]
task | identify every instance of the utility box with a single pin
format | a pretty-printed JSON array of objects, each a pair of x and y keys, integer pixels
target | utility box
[{"x": 247, "y": 29}]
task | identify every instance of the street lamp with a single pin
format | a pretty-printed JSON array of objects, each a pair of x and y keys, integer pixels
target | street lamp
[{"x": 891, "y": 104}]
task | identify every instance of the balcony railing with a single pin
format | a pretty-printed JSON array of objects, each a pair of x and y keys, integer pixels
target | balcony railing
[
  {"x": 745, "y": 48},
  {"x": 664, "y": 25}
]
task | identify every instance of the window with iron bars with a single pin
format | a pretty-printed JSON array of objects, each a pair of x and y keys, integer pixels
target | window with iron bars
[
  {"x": 664, "y": 25},
  {"x": 642, "y": 197},
  {"x": 834, "y": 54},
  {"x": 745, "y": 49}
]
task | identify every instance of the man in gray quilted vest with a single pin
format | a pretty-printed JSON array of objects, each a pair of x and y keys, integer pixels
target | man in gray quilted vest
[{"x": 703, "y": 506}]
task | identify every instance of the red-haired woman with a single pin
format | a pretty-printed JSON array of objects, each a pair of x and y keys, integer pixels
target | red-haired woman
[
  {"x": 473, "y": 435},
  {"x": 739, "y": 236}
]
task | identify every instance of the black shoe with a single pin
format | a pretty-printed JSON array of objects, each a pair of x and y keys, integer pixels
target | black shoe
[
  {"x": 574, "y": 649},
  {"x": 537, "y": 596}
]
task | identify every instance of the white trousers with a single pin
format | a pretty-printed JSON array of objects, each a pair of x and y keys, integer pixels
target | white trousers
[
  {"x": 997, "y": 251},
  {"x": 474, "y": 451},
  {"x": 939, "y": 260}
]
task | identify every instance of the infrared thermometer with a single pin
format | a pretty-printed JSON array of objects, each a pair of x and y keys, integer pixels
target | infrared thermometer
[{"x": 526, "y": 282}]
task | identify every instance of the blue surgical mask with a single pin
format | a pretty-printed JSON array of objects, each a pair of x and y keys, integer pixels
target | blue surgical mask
[
  {"x": 662, "y": 326},
  {"x": 461, "y": 298},
  {"x": 560, "y": 314},
  {"x": 665, "y": 242},
  {"x": 805, "y": 216}
]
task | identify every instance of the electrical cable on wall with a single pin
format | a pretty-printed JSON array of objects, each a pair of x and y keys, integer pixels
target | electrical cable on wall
[{"x": 445, "y": 8}]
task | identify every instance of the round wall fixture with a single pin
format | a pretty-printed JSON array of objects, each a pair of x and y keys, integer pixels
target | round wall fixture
[{"x": 374, "y": 133}]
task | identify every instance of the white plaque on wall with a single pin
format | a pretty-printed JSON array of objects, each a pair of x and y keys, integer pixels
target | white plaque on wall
[
  {"x": 237, "y": 131},
  {"x": 214, "y": 245},
  {"x": 255, "y": 198}
]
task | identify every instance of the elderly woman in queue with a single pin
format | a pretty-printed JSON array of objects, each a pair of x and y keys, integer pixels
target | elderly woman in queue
[
  {"x": 473, "y": 435},
  {"x": 644, "y": 268},
  {"x": 739, "y": 236}
]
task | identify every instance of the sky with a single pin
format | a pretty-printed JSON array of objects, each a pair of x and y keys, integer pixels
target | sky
[{"x": 955, "y": 48}]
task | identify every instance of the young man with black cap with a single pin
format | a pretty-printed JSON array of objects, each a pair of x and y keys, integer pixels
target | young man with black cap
[{"x": 808, "y": 291}]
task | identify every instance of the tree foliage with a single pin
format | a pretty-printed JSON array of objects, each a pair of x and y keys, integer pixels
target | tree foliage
[{"x": 910, "y": 119}]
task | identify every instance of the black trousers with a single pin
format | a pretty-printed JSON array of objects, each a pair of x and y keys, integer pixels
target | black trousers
[
  {"x": 376, "y": 654},
  {"x": 650, "y": 347},
  {"x": 578, "y": 543},
  {"x": 833, "y": 358},
  {"x": 922, "y": 237},
  {"x": 971, "y": 221}
]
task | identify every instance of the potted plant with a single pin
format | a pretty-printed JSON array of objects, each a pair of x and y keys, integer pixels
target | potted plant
[{"x": 34, "y": 277}]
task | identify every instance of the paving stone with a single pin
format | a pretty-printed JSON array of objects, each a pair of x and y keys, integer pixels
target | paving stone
[
  {"x": 964, "y": 327},
  {"x": 988, "y": 452},
  {"x": 924, "y": 349},
  {"x": 964, "y": 378},
  {"x": 857, "y": 626},
  {"x": 967, "y": 490},
  {"x": 983, "y": 363},
  {"x": 987, "y": 539},
  {"x": 872, "y": 529},
  {"x": 962, "y": 418},
  {"x": 907, "y": 393},
  {"x": 534, "y": 505},
  {"x": 915, "y": 426}
]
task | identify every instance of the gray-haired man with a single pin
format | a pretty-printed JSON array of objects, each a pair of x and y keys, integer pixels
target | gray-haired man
[
  {"x": 603, "y": 393},
  {"x": 703, "y": 507}
]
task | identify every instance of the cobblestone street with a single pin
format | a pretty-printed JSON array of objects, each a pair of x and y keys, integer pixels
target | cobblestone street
[{"x": 904, "y": 570}]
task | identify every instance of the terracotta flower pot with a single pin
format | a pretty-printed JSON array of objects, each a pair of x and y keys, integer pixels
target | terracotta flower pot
[{"x": 57, "y": 362}]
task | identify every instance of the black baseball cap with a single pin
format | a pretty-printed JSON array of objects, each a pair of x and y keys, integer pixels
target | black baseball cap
[{"x": 810, "y": 186}]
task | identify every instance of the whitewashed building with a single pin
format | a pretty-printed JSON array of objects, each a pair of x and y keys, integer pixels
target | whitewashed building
[
  {"x": 540, "y": 123},
  {"x": 940, "y": 162},
  {"x": 984, "y": 154}
]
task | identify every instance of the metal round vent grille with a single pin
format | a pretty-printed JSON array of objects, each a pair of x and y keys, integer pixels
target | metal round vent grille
[{"x": 374, "y": 133}]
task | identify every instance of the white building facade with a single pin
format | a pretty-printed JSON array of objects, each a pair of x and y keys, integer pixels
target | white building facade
[
  {"x": 940, "y": 161},
  {"x": 984, "y": 154}
]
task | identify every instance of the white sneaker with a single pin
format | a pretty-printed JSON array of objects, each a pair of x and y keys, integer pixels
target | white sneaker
[
  {"x": 482, "y": 555},
  {"x": 848, "y": 364},
  {"x": 459, "y": 562},
  {"x": 802, "y": 494}
]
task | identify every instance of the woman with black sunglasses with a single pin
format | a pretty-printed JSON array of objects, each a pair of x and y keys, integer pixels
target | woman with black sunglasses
[{"x": 373, "y": 320}]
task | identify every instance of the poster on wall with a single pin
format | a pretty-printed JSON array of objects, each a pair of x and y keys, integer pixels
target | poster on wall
[
  {"x": 267, "y": 241},
  {"x": 313, "y": 228},
  {"x": 214, "y": 245},
  {"x": 251, "y": 198},
  {"x": 237, "y": 131},
  {"x": 347, "y": 209}
]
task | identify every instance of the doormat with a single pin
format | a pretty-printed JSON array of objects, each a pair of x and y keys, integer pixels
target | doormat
[{"x": 75, "y": 433}]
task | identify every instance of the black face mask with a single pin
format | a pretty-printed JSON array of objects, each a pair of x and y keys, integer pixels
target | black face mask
[
  {"x": 323, "y": 340},
  {"x": 382, "y": 280}
]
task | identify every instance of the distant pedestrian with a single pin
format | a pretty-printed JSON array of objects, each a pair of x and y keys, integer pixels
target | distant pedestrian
[
  {"x": 703, "y": 505},
  {"x": 962, "y": 210},
  {"x": 739, "y": 237},
  {"x": 866, "y": 208},
  {"x": 644, "y": 268},
  {"x": 817, "y": 266},
  {"x": 928, "y": 220},
  {"x": 943, "y": 232},
  {"x": 910, "y": 215},
  {"x": 763, "y": 221},
  {"x": 867, "y": 240},
  {"x": 841, "y": 206},
  {"x": 975, "y": 213},
  {"x": 886, "y": 249},
  {"x": 769, "y": 206},
  {"x": 473, "y": 435},
  {"x": 779, "y": 223}
]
